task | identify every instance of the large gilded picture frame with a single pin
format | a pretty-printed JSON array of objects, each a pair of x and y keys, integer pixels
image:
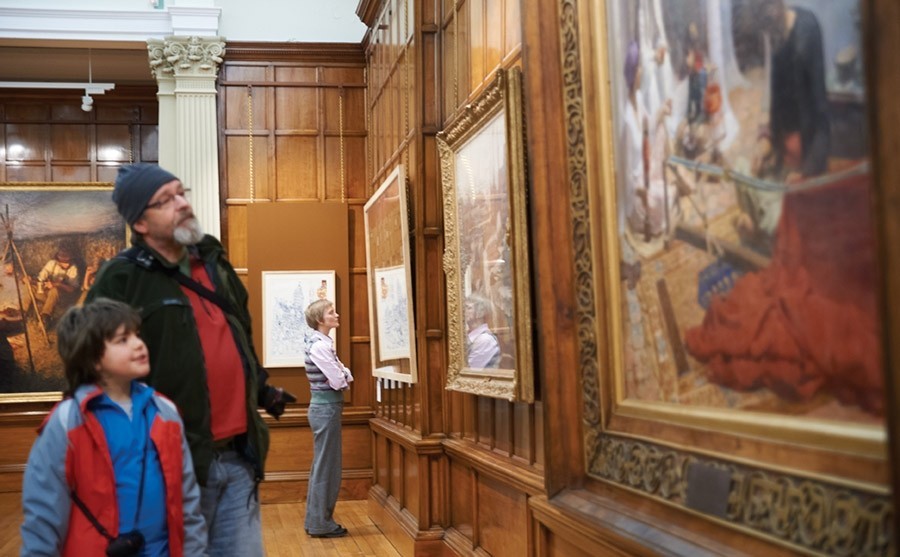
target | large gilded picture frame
[
  {"x": 727, "y": 299},
  {"x": 53, "y": 239},
  {"x": 486, "y": 245},
  {"x": 389, "y": 280}
]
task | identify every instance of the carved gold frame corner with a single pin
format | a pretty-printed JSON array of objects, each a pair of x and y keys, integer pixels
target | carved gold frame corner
[{"x": 503, "y": 95}]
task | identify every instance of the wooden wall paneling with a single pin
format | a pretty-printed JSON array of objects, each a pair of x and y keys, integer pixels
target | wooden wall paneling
[
  {"x": 493, "y": 34},
  {"x": 382, "y": 462},
  {"x": 484, "y": 421},
  {"x": 362, "y": 393},
  {"x": 237, "y": 237},
  {"x": 425, "y": 86},
  {"x": 448, "y": 61},
  {"x": 503, "y": 426},
  {"x": 411, "y": 483},
  {"x": 297, "y": 166},
  {"x": 477, "y": 43},
  {"x": 550, "y": 223},
  {"x": 320, "y": 137},
  {"x": 523, "y": 431},
  {"x": 113, "y": 143},
  {"x": 66, "y": 142},
  {"x": 882, "y": 18},
  {"x": 295, "y": 152},
  {"x": 461, "y": 487},
  {"x": 297, "y": 108},
  {"x": 398, "y": 464},
  {"x": 512, "y": 34},
  {"x": 503, "y": 525}
]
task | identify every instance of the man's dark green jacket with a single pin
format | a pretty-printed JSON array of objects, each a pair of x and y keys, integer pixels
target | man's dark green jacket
[{"x": 177, "y": 367}]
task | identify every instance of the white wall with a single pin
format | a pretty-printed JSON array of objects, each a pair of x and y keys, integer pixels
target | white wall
[
  {"x": 290, "y": 20},
  {"x": 240, "y": 20}
]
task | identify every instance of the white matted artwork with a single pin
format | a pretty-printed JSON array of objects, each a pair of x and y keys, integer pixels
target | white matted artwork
[
  {"x": 392, "y": 312},
  {"x": 286, "y": 295}
]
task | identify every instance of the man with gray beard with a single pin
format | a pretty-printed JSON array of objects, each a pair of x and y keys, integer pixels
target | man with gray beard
[{"x": 196, "y": 325}]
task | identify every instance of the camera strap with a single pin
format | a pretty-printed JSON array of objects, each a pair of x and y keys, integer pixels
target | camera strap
[
  {"x": 139, "y": 256},
  {"x": 89, "y": 515},
  {"x": 137, "y": 512}
]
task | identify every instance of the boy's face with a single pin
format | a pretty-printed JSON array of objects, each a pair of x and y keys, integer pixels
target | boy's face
[
  {"x": 125, "y": 357},
  {"x": 330, "y": 319}
]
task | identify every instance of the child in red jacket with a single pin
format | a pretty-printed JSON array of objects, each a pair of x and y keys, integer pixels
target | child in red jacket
[{"x": 110, "y": 472}]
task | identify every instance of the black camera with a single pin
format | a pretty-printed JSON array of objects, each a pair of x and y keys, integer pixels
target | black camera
[{"x": 125, "y": 545}]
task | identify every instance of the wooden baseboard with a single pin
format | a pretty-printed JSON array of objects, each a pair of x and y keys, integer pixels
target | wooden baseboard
[
  {"x": 11, "y": 478},
  {"x": 398, "y": 526},
  {"x": 290, "y": 487}
]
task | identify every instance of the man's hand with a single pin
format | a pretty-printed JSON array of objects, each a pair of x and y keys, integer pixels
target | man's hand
[{"x": 275, "y": 399}]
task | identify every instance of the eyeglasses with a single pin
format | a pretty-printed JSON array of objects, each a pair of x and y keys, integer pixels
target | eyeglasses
[{"x": 165, "y": 201}]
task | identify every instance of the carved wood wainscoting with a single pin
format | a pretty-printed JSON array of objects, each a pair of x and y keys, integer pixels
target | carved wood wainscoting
[{"x": 408, "y": 494}]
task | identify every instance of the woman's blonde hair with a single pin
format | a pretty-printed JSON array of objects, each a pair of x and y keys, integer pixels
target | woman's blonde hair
[{"x": 315, "y": 313}]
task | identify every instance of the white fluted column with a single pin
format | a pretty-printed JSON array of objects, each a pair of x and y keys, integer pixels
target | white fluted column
[
  {"x": 189, "y": 65},
  {"x": 167, "y": 141}
]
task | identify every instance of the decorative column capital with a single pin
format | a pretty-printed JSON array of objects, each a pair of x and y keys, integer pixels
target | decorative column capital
[{"x": 185, "y": 56}]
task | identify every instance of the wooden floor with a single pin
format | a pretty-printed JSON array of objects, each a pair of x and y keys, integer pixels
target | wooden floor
[{"x": 283, "y": 534}]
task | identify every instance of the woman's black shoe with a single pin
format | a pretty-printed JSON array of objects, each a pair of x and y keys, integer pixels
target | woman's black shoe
[{"x": 338, "y": 532}]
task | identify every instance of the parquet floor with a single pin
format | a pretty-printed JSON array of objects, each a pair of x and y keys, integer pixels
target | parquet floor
[{"x": 283, "y": 534}]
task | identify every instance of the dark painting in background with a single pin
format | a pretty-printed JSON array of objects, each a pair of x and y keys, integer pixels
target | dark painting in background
[{"x": 47, "y": 230}]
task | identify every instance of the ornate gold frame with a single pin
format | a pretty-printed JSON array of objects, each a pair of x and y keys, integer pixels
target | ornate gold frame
[
  {"x": 387, "y": 246},
  {"x": 811, "y": 474},
  {"x": 502, "y": 96}
]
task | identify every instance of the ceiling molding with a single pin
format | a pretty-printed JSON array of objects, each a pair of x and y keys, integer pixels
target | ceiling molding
[
  {"x": 107, "y": 25},
  {"x": 367, "y": 10},
  {"x": 245, "y": 51}
]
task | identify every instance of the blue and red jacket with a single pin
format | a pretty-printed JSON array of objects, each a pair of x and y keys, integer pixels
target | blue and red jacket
[{"x": 71, "y": 453}]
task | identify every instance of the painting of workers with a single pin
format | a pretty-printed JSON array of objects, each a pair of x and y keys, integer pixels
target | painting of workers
[
  {"x": 746, "y": 241},
  {"x": 52, "y": 241}
]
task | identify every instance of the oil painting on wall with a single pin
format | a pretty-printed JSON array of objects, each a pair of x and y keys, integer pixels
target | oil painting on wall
[
  {"x": 745, "y": 239},
  {"x": 486, "y": 245},
  {"x": 53, "y": 241},
  {"x": 389, "y": 279},
  {"x": 286, "y": 295}
]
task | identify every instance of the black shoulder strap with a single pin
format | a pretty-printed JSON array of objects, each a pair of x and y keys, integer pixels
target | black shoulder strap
[
  {"x": 145, "y": 259},
  {"x": 80, "y": 504},
  {"x": 211, "y": 295}
]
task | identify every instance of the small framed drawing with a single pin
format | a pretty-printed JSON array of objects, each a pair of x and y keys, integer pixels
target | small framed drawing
[
  {"x": 486, "y": 245},
  {"x": 389, "y": 281},
  {"x": 286, "y": 295}
]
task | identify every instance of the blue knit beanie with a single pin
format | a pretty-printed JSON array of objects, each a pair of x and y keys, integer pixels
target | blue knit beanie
[{"x": 135, "y": 186}]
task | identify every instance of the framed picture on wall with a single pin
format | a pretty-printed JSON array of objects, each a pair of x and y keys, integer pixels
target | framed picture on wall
[
  {"x": 486, "y": 245},
  {"x": 286, "y": 295},
  {"x": 54, "y": 237},
  {"x": 389, "y": 279},
  {"x": 731, "y": 331}
]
